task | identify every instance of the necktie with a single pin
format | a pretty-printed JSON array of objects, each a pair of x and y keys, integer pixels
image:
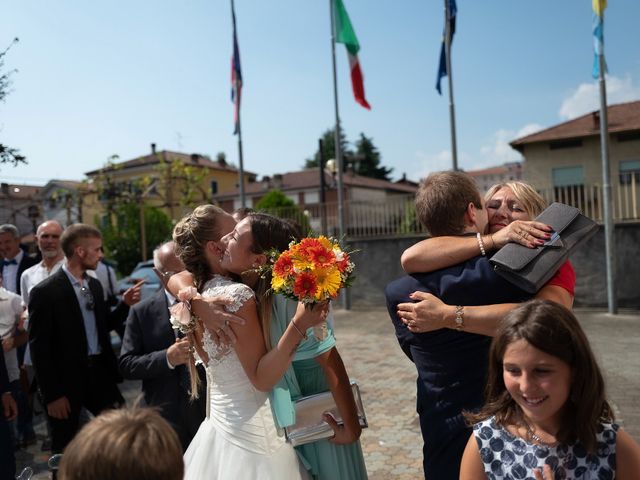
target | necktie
[{"x": 6, "y": 263}]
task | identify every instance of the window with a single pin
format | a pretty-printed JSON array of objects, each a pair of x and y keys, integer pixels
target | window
[
  {"x": 628, "y": 136},
  {"x": 629, "y": 169},
  {"x": 568, "y": 185},
  {"x": 559, "y": 144},
  {"x": 568, "y": 176},
  {"x": 214, "y": 187}
]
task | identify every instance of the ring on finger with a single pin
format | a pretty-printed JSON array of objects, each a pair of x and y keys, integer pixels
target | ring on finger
[{"x": 226, "y": 323}]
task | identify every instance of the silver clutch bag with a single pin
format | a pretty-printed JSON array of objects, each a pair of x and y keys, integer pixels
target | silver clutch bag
[{"x": 310, "y": 425}]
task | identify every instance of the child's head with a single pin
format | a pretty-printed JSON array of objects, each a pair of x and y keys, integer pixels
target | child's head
[
  {"x": 127, "y": 443},
  {"x": 549, "y": 371}
]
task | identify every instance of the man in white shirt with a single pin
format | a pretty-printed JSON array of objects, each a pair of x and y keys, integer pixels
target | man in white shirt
[
  {"x": 48, "y": 239},
  {"x": 10, "y": 310}
]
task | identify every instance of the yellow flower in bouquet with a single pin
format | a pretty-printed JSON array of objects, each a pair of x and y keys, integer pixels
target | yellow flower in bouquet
[{"x": 312, "y": 270}]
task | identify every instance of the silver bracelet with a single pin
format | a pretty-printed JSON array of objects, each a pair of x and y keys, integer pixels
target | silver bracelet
[
  {"x": 481, "y": 244},
  {"x": 303, "y": 335}
]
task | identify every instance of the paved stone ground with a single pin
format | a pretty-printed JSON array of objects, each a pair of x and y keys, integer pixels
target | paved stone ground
[{"x": 392, "y": 443}]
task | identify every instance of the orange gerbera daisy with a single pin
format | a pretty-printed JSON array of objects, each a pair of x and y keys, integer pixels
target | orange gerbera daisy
[
  {"x": 321, "y": 256},
  {"x": 283, "y": 266},
  {"x": 305, "y": 285}
]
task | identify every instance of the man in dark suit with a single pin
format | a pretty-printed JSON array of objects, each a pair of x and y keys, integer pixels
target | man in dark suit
[
  {"x": 15, "y": 260},
  {"x": 8, "y": 411},
  {"x": 69, "y": 324},
  {"x": 451, "y": 362},
  {"x": 152, "y": 352}
]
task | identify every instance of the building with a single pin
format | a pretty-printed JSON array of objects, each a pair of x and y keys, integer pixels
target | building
[
  {"x": 487, "y": 177},
  {"x": 368, "y": 201},
  {"x": 564, "y": 161},
  {"x": 21, "y": 206},
  {"x": 62, "y": 200},
  {"x": 172, "y": 181}
]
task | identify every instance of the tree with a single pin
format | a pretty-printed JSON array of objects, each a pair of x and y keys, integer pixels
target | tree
[
  {"x": 277, "y": 203},
  {"x": 329, "y": 148},
  {"x": 368, "y": 160},
  {"x": 8, "y": 154},
  {"x": 122, "y": 237}
]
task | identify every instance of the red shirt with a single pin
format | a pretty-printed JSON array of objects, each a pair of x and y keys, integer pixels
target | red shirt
[{"x": 565, "y": 277}]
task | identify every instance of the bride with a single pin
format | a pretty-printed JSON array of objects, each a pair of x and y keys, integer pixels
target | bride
[{"x": 238, "y": 438}]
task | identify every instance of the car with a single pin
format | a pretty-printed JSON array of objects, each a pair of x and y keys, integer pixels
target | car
[{"x": 144, "y": 270}]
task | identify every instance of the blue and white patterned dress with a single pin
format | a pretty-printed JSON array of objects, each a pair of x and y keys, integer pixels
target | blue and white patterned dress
[{"x": 508, "y": 457}]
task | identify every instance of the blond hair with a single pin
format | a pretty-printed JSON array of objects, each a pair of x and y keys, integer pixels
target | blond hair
[
  {"x": 127, "y": 443},
  {"x": 530, "y": 200},
  {"x": 191, "y": 235}
]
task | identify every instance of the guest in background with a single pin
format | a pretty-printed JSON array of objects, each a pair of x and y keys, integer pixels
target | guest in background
[
  {"x": 48, "y": 239},
  {"x": 69, "y": 337},
  {"x": 8, "y": 411},
  {"x": 16, "y": 261},
  {"x": 152, "y": 351},
  {"x": 134, "y": 443}
]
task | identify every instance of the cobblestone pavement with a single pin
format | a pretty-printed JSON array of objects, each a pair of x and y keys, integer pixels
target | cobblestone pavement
[{"x": 392, "y": 443}]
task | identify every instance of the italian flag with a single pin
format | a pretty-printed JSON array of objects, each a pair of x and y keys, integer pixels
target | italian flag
[{"x": 344, "y": 34}]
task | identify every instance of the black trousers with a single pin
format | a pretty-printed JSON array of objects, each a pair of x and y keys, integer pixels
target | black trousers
[
  {"x": 98, "y": 392},
  {"x": 7, "y": 459}
]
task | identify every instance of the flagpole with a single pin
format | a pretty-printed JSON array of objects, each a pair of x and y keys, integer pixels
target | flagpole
[
  {"x": 237, "y": 87},
  {"x": 338, "y": 147},
  {"x": 452, "y": 111},
  {"x": 345, "y": 294},
  {"x": 609, "y": 241},
  {"x": 243, "y": 200}
]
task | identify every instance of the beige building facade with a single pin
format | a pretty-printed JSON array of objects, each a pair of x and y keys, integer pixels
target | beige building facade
[{"x": 564, "y": 162}]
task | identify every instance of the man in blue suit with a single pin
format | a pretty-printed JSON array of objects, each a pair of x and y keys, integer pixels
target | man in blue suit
[
  {"x": 152, "y": 352},
  {"x": 451, "y": 362}
]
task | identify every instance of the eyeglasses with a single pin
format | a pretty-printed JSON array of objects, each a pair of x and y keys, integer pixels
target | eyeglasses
[
  {"x": 90, "y": 303},
  {"x": 164, "y": 276}
]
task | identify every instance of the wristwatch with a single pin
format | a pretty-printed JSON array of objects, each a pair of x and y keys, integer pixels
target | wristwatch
[{"x": 459, "y": 317}]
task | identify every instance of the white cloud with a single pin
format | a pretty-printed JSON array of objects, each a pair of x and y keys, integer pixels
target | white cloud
[
  {"x": 497, "y": 150},
  {"x": 586, "y": 97}
]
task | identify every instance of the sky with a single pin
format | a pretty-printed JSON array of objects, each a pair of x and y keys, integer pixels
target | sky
[{"x": 97, "y": 79}]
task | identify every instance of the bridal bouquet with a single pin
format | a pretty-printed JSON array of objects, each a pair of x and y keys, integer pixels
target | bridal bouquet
[{"x": 312, "y": 270}]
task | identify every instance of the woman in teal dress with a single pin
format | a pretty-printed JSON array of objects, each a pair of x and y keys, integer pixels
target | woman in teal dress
[{"x": 315, "y": 361}]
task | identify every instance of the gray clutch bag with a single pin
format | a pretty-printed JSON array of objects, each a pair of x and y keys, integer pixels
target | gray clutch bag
[
  {"x": 310, "y": 425},
  {"x": 531, "y": 268}
]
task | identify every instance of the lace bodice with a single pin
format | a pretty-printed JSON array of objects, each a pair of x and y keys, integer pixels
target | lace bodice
[{"x": 238, "y": 293}]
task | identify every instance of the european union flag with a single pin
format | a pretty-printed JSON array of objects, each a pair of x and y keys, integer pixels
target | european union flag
[{"x": 442, "y": 70}]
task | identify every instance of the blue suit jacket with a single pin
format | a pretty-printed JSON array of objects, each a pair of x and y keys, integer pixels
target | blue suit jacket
[{"x": 452, "y": 365}]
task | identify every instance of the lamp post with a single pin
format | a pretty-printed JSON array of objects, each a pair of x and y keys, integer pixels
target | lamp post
[
  {"x": 143, "y": 230},
  {"x": 332, "y": 168},
  {"x": 323, "y": 200}
]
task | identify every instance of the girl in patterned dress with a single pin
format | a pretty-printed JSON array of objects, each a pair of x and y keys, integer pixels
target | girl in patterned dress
[{"x": 546, "y": 416}]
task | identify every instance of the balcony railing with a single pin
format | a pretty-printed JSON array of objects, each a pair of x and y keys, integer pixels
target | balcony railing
[{"x": 397, "y": 215}]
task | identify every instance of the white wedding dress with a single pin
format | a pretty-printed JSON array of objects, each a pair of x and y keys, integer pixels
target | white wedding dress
[{"x": 238, "y": 438}]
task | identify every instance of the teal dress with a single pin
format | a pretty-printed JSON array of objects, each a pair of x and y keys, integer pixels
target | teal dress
[{"x": 323, "y": 459}]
